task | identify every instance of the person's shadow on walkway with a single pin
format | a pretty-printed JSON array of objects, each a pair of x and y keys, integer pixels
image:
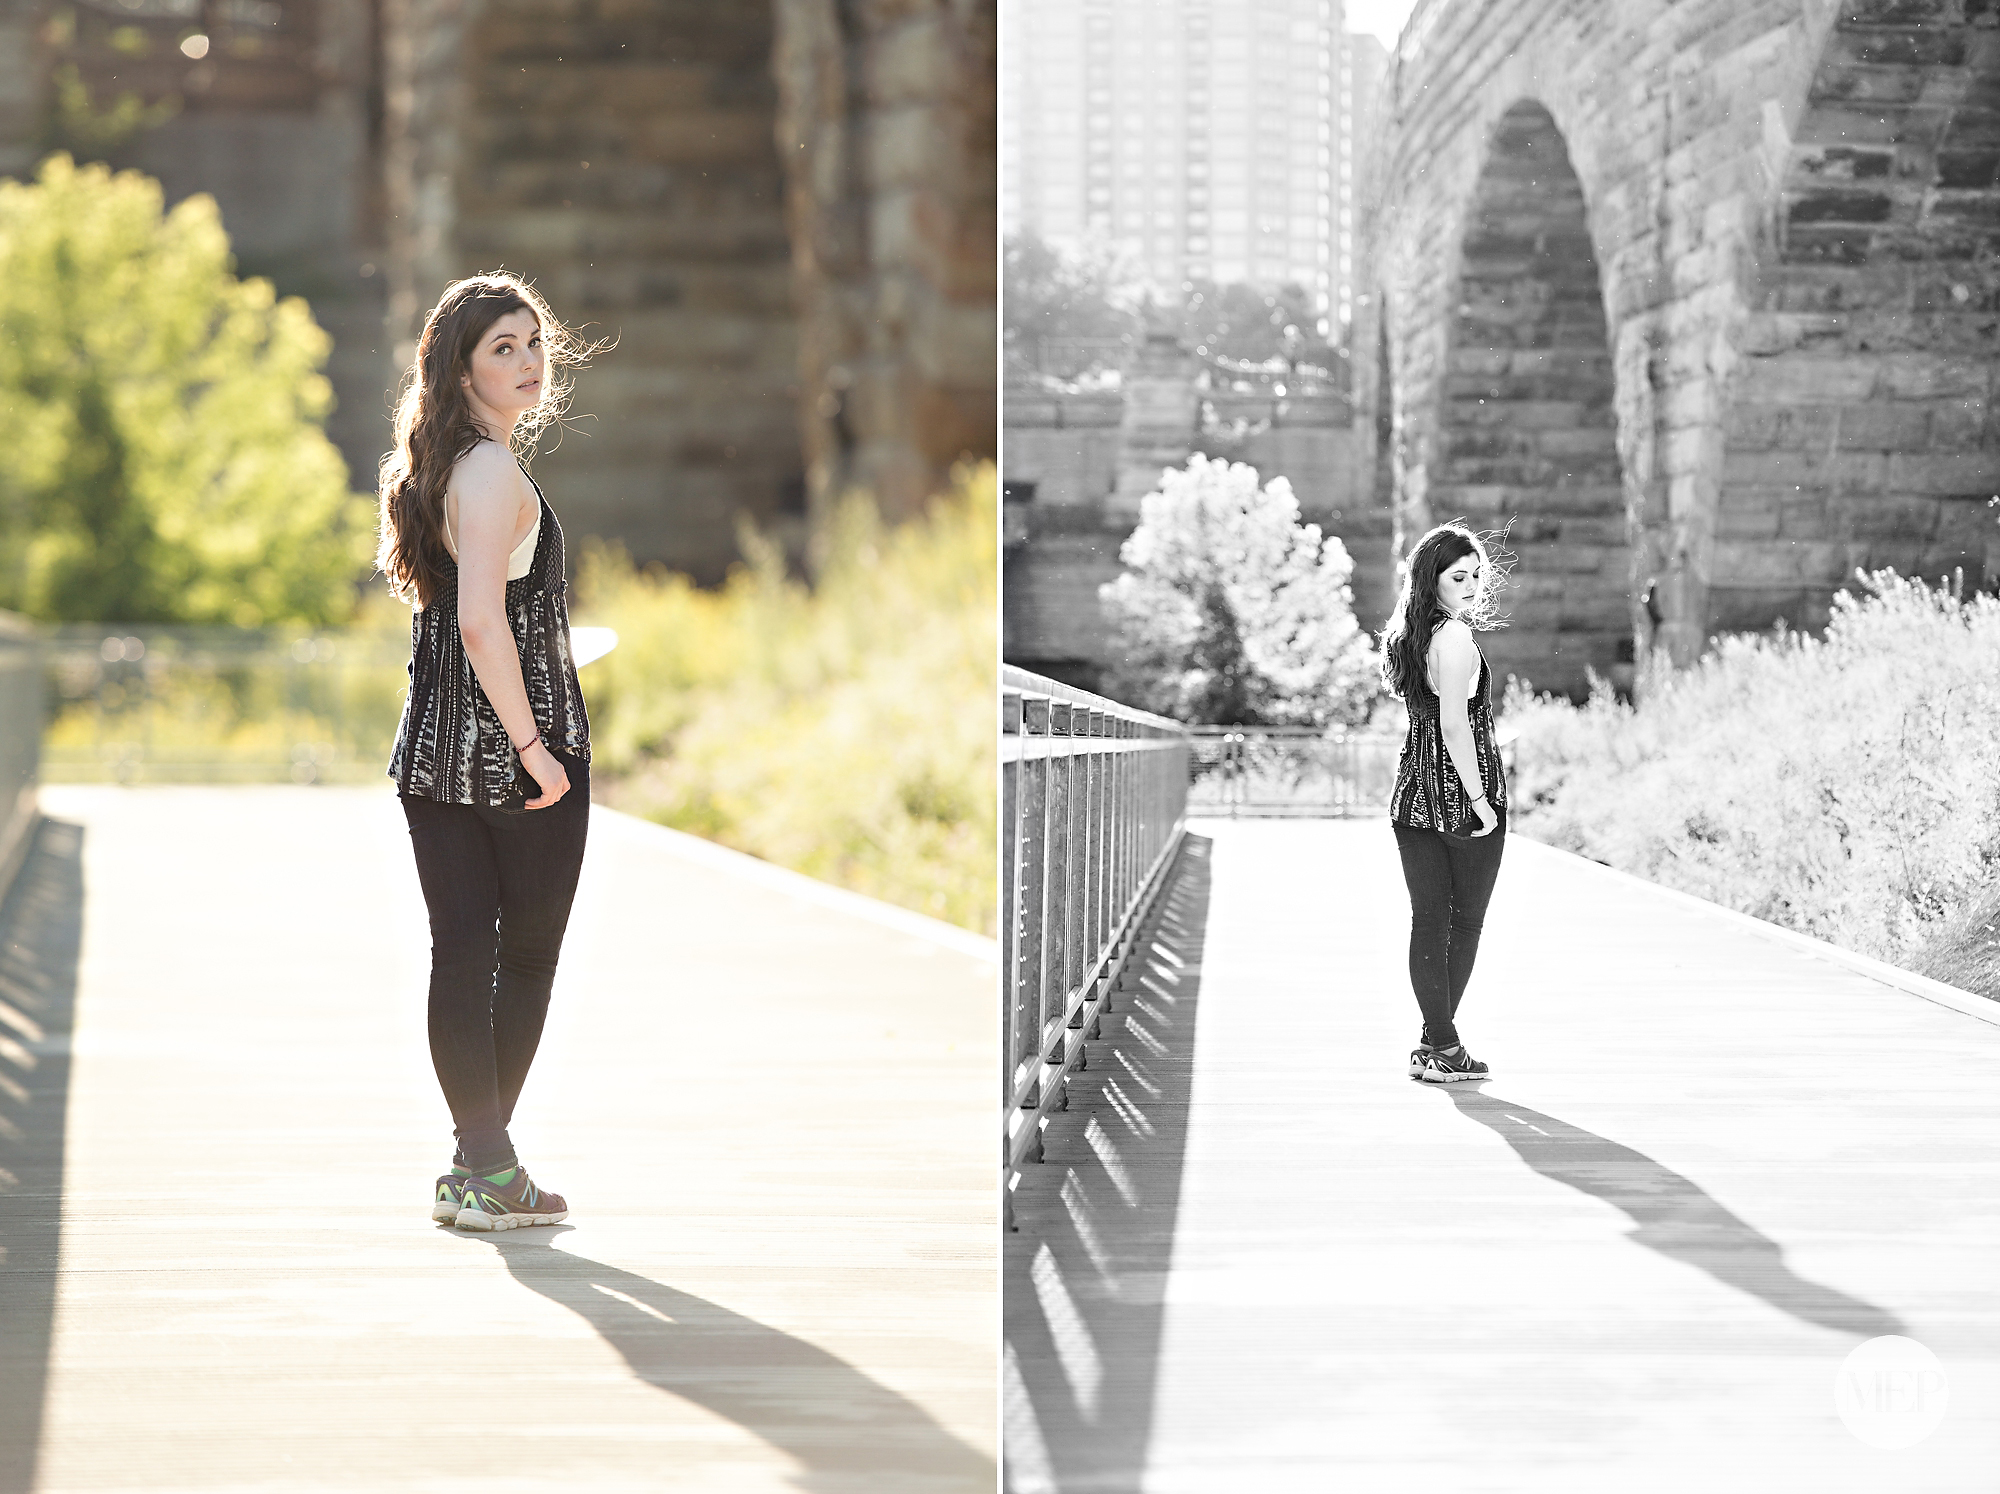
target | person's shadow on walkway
[
  {"x": 848, "y": 1432},
  {"x": 1675, "y": 1217}
]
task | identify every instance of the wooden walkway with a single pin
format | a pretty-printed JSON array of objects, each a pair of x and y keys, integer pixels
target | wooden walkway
[
  {"x": 1709, "y": 1165},
  {"x": 770, "y": 1105}
]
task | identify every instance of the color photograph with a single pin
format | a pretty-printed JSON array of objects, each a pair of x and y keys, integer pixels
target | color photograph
[{"x": 498, "y": 567}]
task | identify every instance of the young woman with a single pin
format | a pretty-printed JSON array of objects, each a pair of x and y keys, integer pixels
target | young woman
[
  {"x": 492, "y": 757},
  {"x": 1449, "y": 807}
]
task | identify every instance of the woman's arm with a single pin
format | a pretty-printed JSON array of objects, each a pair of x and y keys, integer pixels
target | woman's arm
[
  {"x": 491, "y": 494},
  {"x": 1456, "y": 658}
]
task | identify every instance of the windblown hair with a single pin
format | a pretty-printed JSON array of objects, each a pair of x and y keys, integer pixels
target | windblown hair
[
  {"x": 1406, "y": 638},
  {"x": 435, "y": 424}
]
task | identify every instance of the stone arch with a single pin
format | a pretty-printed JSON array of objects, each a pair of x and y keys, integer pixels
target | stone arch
[
  {"x": 1859, "y": 427},
  {"x": 1527, "y": 436}
]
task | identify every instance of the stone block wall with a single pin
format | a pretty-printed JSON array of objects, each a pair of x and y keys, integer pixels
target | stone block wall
[
  {"x": 1053, "y": 562},
  {"x": 886, "y": 132},
  {"x": 621, "y": 156},
  {"x": 1064, "y": 448},
  {"x": 657, "y": 167},
  {"x": 277, "y": 123},
  {"x": 23, "y": 84},
  {"x": 1860, "y": 433},
  {"x": 1788, "y": 205},
  {"x": 1527, "y": 446}
]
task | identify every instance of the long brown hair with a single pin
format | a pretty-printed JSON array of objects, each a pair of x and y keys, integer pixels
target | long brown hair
[
  {"x": 1406, "y": 638},
  {"x": 435, "y": 424}
]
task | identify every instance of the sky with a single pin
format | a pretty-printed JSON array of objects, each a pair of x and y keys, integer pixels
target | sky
[{"x": 1382, "y": 19}]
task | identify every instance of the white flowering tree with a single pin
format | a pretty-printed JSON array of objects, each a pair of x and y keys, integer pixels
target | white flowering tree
[{"x": 1232, "y": 611}]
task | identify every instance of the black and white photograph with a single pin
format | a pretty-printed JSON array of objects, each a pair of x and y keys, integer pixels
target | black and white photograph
[{"x": 1500, "y": 847}]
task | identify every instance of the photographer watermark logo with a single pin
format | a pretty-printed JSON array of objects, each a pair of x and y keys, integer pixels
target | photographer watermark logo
[{"x": 1891, "y": 1392}]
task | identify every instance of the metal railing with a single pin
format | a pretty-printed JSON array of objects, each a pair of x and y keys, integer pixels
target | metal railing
[
  {"x": 1290, "y": 770},
  {"x": 155, "y": 704},
  {"x": 20, "y": 740},
  {"x": 1092, "y": 809},
  {"x": 161, "y": 704}
]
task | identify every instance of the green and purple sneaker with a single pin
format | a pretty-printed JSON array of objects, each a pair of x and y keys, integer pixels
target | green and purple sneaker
[
  {"x": 486, "y": 1205},
  {"x": 449, "y": 1199}
]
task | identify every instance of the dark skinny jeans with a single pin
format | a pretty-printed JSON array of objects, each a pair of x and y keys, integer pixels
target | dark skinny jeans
[
  {"x": 1451, "y": 881},
  {"x": 499, "y": 888}
]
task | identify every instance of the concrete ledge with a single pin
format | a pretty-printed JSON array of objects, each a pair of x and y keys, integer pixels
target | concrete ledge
[
  {"x": 20, "y": 741},
  {"x": 17, "y": 834},
  {"x": 796, "y": 884},
  {"x": 1888, "y": 975}
]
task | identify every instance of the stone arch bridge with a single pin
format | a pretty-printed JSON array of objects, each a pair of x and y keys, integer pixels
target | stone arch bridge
[
  {"x": 1700, "y": 298},
  {"x": 1697, "y": 300},
  {"x": 784, "y": 210}
]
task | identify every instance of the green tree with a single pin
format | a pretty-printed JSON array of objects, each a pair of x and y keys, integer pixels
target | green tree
[
  {"x": 167, "y": 458},
  {"x": 1231, "y": 611}
]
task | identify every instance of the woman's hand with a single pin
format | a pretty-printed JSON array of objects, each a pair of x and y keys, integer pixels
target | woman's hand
[
  {"x": 1488, "y": 820},
  {"x": 546, "y": 770}
]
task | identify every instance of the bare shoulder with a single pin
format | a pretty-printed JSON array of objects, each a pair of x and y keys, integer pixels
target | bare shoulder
[
  {"x": 488, "y": 476},
  {"x": 1453, "y": 640},
  {"x": 487, "y": 463}
]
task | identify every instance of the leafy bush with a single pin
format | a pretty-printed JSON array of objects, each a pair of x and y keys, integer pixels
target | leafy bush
[
  {"x": 166, "y": 458},
  {"x": 845, "y": 730},
  {"x": 1231, "y": 611},
  {"x": 1846, "y": 786}
]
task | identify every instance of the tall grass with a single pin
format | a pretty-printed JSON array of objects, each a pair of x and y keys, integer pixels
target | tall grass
[
  {"x": 845, "y": 730},
  {"x": 1846, "y": 786}
]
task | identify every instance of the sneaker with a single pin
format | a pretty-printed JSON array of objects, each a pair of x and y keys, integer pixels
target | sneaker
[
  {"x": 1445, "y": 1068},
  {"x": 1417, "y": 1056},
  {"x": 486, "y": 1207},
  {"x": 449, "y": 1200}
]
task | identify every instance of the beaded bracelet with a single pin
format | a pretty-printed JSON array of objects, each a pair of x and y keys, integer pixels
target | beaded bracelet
[{"x": 529, "y": 743}]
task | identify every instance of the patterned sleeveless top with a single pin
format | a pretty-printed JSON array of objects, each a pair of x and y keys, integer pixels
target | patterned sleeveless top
[
  {"x": 451, "y": 746},
  {"x": 1428, "y": 795}
]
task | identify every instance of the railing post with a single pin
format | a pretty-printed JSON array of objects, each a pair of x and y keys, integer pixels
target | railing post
[
  {"x": 1054, "y": 1015},
  {"x": 1093, "y": 801},
  {"x": 1011, "y": 768},
  {"x": 1076, "y": 997},
  {"x": 1032, "y": 962},
  {"x": 20, "y": 741}
]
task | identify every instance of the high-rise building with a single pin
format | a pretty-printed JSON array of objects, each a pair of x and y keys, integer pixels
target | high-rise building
[
  {"x": 1200, "y": 139},
  {"x": 1360, "y": 94}
]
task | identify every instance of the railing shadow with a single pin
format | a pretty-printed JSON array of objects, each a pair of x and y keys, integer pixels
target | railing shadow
[
  {"x": 848, "y": 1432},
  {"x": 1674, "y": 1215},
  {"x": 1085, "y": 1273},
  {"x": 41, "y": 932}
]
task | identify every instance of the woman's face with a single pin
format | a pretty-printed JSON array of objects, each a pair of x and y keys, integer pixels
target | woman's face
[
  {"x": 1459, "y": 582},
  {"x": 505, "y": 373}
]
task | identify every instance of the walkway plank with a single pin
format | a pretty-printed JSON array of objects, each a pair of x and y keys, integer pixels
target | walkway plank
[
  {"x": 772, "y": 1118},
  {"x": 1258, "y": 1256}
]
